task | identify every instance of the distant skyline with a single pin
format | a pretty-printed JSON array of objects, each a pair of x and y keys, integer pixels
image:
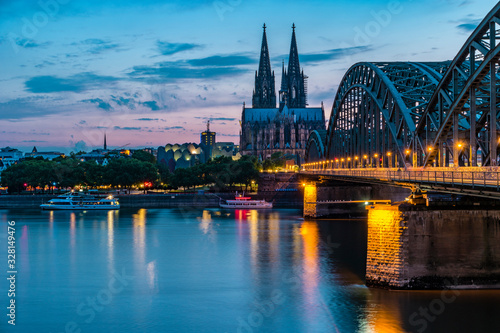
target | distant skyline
[{"x": 153, "y": 72}]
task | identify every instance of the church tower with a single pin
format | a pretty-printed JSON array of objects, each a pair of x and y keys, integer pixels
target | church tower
[
  {"x": 267, "y": 128},
  {"x": 293, "y": 92},
  {"x": 264, "y": 94}
]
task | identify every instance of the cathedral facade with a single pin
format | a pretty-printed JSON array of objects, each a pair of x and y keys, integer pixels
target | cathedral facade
[{"x": 266, "y": 127}]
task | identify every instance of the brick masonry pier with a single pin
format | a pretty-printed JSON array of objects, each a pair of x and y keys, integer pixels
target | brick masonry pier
[
  {"x": 417, "y": 247},
  {"x": 315, "y": 194}
]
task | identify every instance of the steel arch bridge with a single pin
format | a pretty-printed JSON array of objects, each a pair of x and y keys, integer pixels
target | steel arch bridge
[{"x": 395, "y": 114}]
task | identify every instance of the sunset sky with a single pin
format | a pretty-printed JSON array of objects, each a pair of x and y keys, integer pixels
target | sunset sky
[{"x": 153, "y": 72}]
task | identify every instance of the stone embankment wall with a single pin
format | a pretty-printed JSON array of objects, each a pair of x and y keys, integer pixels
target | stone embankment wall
[
  {"x": 411, "y": 247},
  {"x": 280, "y": 199},
  {"x": 23, "y": 201}
]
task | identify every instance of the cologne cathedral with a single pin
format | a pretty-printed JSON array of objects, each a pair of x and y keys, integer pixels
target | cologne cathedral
[{"x": 265, "y": 128}]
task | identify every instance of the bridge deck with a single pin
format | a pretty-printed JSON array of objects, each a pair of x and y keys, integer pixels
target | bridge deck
[{"x": 472, "y": 181}]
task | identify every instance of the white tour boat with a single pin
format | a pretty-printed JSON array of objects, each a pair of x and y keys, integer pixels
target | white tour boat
[
  {"x": 81, "y": 201},
  {"x": 241, "y": 202}
]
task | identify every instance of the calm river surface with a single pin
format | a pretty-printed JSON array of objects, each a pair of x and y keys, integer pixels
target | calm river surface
[{"x": 211, "y": 270}]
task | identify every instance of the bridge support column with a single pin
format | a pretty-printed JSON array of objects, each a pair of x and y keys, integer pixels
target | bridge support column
[
  {"x": 456, "y": 150},
  {"x": 414, "y": 247},
  {"x": 493, "y": 115},
  {"x": 310, "y": 197},
  {"x": 472, "y": 140},
  {"x": 441, "y": 151}
]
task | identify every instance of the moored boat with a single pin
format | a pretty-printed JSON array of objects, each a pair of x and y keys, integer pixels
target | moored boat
[
  {"x": 81, "y": 201},
  {"x": 242, "y": 202}
]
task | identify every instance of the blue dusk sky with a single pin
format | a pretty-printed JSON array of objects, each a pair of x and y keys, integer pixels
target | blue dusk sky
[{"x": 153, "y": 72}]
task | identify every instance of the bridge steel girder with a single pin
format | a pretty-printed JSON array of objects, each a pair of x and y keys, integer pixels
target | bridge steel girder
[
  {"x": 377, "y": 109},
  {"x": 463, "y": 111}
]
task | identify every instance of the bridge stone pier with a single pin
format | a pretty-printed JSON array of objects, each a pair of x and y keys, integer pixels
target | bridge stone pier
[
  {"x": 414, "y": 247},
  {"x": 330, "y": 198},
  {"x": 434, "y": 245}
]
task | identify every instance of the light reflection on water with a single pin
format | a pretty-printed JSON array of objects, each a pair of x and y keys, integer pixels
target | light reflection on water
[{"x": 214, "y": 271}]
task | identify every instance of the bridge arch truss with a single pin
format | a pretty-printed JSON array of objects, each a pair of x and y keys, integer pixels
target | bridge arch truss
[{"x": 377, "y": 108}]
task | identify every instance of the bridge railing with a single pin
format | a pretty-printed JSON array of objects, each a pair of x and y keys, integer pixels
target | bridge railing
[{"x": 474, "y": 178}]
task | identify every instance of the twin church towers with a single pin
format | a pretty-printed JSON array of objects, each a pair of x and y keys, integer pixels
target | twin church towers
[
  {"x": 267, "y": 127},
  {"x": 293, "y": 91}
]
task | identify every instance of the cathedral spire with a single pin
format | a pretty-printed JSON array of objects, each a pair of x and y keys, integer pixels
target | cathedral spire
[
  {"x": 293, "y": 60},
  {"x": 105, "y": 145},
  {"x": 264, "y": 94},
  {"x": 265, "y": 63},
  {"x": 295, "y": 77}
]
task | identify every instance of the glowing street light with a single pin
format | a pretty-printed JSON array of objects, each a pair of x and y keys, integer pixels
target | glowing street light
[{"x": 408, "y": 151}]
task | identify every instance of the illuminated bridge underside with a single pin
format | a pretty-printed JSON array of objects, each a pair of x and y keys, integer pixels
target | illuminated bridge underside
[
  {"x": 455, "y": 181},
  {"x": 406, "y": 113}
]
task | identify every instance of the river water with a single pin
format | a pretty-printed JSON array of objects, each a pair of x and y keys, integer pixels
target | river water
[{"x": 212, "y": 270}]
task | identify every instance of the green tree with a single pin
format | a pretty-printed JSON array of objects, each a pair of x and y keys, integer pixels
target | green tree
[
  {"x": 248, "y": 170},
  {"x": 69, "y": 172},
  {"x": 40, "y": 173},
  {"x": 184, "y": 177},
  {"x": 144, "y": 156},
  {"x": 277, "y": 160},
  {"x": 129, "y": 171},
  {"x": 14, "y": 177},
  {"x": 93, "y": 174},
  {"x": 219, "y": 172},
  {"x": 164, "y": 173}
]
